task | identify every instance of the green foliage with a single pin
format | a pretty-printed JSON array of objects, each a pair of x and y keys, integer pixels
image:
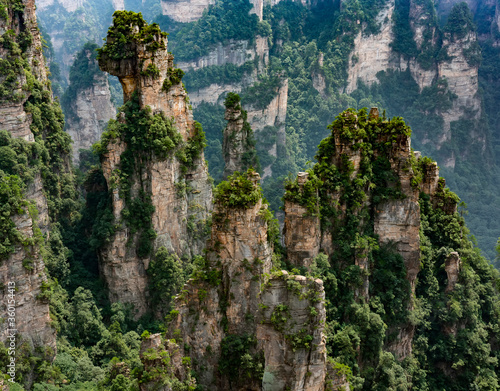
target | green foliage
[
  {"x": 146, "y": 136},
  {"x": 389, "y": 286},
  {"x": 204, "y": 271},
  {"x": 86, "y": 319},
  {"x": 224, "y": 20},
  {"x": 166, "y": 278},
  {"x": 13, "y": 203},
  {"x": 232, "y": 101},
  {"x": 306, "y": 195},
  {"x": 457, "y": 326},
  {"x": 122, "y": 39},
  {"x": 246, "y": 141},
  {"x": 97, "y": 216},
  {"x": 238, "y": 191},
  {"x": 191, "y": 152},
  {"x": 460, "y": 22},
  {"x": 237, "y": 360},
  {"x": 174, "y": 76},
  {"x": 151, "y": 71},
  {"x": 212, "y": 118},
  {"x": 263, "y": 92},
  {"x": 14, "y": 66}
]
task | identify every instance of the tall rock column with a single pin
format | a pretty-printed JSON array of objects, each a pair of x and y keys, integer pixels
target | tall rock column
[
  {"x": 152, "y": 160},
  {"x": 302, "y": 231},
  {"x": 246, "y": 328},
  {"x": 365, "y": 191},
  {"x": 30, "y": 148},
  {"x": 238, "y": 145},
  {"x": 268, "y": 124},
  {"x": 461, "y": 70},
  {"x": 23, "y": 308}
]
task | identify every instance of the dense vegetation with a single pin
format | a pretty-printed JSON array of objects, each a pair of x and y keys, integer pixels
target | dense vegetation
[
  {"x": 122, "y": 38},
  {"x": 97, "y": 342},
  {"x": 456, "y": 332},
  {"x": 455, "y": 329},
  {"x": 227, "y": 19},
  {"x": 308, "y": 44}
]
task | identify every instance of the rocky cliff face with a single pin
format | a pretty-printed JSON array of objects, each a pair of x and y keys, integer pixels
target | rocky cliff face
[
  {"x": 273, "y": 115},
  {"x": 215, "y": 93},
  {"x": 373, "y": 53},
  {"x": 23, "y": 282},
  {"x": 235, "y": 300},
  {"x": 13, "y": 117},
  {"x": 235, "y": 52},
  {"x": 177, "y": 187},
  {"x": 396, "y": 219},
  {"x": 191, "y": 10},
  {"x": 22, "y": 272},
  {"x": 302, "y": 230},
  {"x": 89, "y": 108},
  {"x": 462, "y": 78}
]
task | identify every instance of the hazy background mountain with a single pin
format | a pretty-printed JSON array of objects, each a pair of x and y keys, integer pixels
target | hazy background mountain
[{"x": 298, "y": 63}]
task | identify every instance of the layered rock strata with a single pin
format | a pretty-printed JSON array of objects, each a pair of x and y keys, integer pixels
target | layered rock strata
[
  {"x": 234, "y": 298},
  {"x": 235, "y": 52},
  {"x": 372, "y": 53},
  {"x": 302, "y": 230},
  {"x": 181, "y": 196},
  {"x": 186, "y": 11},
  {"x": 24, "y": 308},
  {"x": 13, "y": 117}
]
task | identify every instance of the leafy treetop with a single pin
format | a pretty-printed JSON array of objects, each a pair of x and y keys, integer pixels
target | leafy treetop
[
  {"x": 130, "y": 28},
  {"x": 460, "y": 21},
  {"x": 232, "y": 101},
  {"x": 239, "y": 191}
]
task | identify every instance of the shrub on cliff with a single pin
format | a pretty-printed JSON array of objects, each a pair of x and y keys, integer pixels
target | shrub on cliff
[{"x": 238, "y": 191}]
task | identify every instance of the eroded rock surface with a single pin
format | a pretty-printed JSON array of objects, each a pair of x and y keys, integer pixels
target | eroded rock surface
[
  {"x": 302, "y": 230},
  {"x": 279, "y": 317},
  {"x": 25, "y": 267},
  {"x": 181, "y": 196},
  {"x": 238, "y": 144},
  {"x": 372, "y": 53},
  {"x": 191, "y": 10},
  {"x": 90, "y": 111},
  {"x": 395, "y": 221}
]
